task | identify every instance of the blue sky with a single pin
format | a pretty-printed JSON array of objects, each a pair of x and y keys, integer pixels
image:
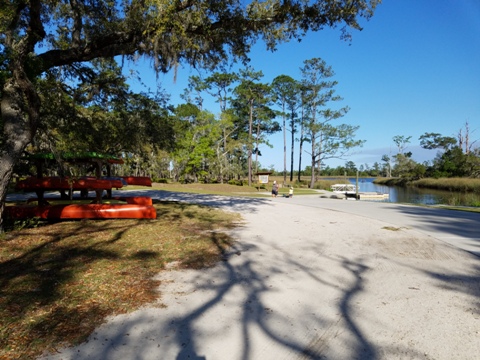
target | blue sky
[{"x": 414, "y": 68}]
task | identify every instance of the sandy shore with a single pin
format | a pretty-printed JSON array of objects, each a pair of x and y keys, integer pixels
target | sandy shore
[{"x": 307, "y": 283}]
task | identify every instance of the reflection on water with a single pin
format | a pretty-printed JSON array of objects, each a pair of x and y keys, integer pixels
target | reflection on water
[{"x": 417, "y": 196}]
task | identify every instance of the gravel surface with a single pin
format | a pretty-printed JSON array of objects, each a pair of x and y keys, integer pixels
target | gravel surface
[{"x": 309, "y": 280}]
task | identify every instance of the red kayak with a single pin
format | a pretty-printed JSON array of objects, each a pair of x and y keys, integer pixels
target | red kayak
[
  {"x": 57, "y": 183},
  {"x": 139, "y": 200}
]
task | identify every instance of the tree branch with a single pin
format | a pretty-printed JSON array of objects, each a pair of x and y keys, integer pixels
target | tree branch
[
  {"x": 36, "y": 31},
  {"x": 119, "y": 43}
]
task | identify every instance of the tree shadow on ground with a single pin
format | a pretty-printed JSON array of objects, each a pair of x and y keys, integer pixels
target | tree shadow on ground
[
  {"x": 256, "y": 315},
  {"x": 33, "y": 280},
  {"x": 457, "y": 224},
  {"x": 455, "y": 282}
]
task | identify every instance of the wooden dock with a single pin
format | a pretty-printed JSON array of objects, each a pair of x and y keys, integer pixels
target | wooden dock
[
  {"x": 372, "y": 196},
  {"x": 353, "y": 196}
]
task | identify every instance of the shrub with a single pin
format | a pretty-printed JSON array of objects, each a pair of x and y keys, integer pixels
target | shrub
[
  {"x": 300, "y": 184},
  {"x": 235, "y": 182},
  {"x": 325, "y": 184}
]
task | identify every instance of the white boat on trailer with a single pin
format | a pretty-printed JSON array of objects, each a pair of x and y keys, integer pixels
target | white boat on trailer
[
  {"x": 344, "y": 188},
  {"x": 349, "y": 190}
]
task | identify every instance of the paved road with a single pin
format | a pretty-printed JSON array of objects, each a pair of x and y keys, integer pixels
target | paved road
[{"x": 458, "y": 228}]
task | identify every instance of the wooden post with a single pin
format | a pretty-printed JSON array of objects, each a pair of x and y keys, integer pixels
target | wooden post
[{"x": 356, "y": 188}]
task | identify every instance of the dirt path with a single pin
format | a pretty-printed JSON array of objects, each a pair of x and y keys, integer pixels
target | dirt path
[{"x": 306, "y": 283}]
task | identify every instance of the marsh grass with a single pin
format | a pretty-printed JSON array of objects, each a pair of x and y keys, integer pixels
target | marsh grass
[
  {"x": 467, "y": 185},
  {"x": 58, "y": 282},
  {"x": 450, "y": 184}
]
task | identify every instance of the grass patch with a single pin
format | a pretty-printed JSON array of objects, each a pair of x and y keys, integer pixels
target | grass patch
[
  {"x": 214, "y": 189},
  {"x": 391, "y": 228},
  {"x": 227, "y": 190},
  {"x": 60, "y": 281}
]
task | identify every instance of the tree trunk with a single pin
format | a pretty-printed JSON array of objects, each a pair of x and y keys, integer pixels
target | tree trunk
[
  {"x": 293, "y": 146},
  {"x": 6, "y": 169},
  {"x": 300, "y": 161},
  {"x": 301, "y": 147},
  {"x": 284, "y": 147},
  {"x": 257, "y": 146},
  {"x": 20, "y": 112},
  {"x": 250, "y": 131},
  {"x": 312, "y": 179}
]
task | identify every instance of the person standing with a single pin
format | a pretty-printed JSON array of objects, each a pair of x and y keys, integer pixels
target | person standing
[{"x": 274, "y": 189}]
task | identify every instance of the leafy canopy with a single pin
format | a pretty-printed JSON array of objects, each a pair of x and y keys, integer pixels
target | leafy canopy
[{"x": 201, "y": 33}]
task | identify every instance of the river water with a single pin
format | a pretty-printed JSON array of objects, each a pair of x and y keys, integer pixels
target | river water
[{"x": 415, "y": 195}]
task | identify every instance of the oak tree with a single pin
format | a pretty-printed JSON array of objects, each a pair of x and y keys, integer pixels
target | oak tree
[{"x": 40, "y": 36}]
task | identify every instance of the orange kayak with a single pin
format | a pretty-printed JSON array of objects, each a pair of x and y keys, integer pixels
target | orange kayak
[
  {"x": 83, "y": 211},
  {"x": 139, "y": 200},
  {"x": 138, "y": 180}
]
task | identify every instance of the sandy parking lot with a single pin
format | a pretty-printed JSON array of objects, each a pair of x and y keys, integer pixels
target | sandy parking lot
[{"x": 305, "y": 282}]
